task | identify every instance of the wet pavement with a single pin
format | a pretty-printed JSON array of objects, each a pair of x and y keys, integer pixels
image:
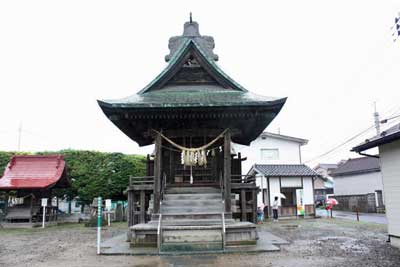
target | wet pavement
[{"x": 363, "y": 217}]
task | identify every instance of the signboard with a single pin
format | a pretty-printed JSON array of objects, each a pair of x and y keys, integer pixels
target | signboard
[
  {"x": 44, "y": 202},
  {"x": 108, "y": 204},
  {"x": 300, "y": 201}
]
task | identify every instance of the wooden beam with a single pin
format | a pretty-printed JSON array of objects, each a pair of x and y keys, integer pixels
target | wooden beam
[
  {"x": 243, "y": 204},
  {"x": 142, "y": 207},
  {"x": 131, "y": 207},
  {"x": 157, "y": 174},
  {"x": 227, "y": 171},
  {"x": 254, "y": 206}
]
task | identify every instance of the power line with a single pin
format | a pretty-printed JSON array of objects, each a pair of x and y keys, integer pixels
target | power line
[
  {"x": 342, "y": 144},
  {"x": 354, "y": 137}
]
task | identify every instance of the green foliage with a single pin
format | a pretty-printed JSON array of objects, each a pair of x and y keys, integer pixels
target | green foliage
[
  {"x": 5, "y": 157},
  {"x": 94, "y": 173}
]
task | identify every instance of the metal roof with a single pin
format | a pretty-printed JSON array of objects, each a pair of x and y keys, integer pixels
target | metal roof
[
  {"x": 285, "y": 170},
  {"x": 357, "y": 166},
  {"x": 390, "y": 135},
  {"x": 285, "y": 137},
  {"x": 33, "y": 172}
]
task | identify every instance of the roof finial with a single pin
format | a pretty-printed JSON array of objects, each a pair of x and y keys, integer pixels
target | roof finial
[{"x": 190, "y": 17}]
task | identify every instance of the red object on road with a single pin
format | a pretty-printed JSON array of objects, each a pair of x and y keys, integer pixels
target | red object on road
[
  {"x": 34, "y": 172},
  {"x": 332, "y": 201}
]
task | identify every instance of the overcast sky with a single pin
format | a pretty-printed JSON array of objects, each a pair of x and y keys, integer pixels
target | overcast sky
[{"x": 332, "y": 59}]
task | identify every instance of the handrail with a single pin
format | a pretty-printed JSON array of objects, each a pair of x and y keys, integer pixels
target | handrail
[
  {"x": 242, "y": 179},
  {"x": 221, "y": 184},
  {"x": 142, "y": 180},
  {"x": 223, "y": 230},
  {"x": 159, "y": 232}
]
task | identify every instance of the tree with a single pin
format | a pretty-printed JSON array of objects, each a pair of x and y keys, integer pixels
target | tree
[{"x": 94, "y": 173}]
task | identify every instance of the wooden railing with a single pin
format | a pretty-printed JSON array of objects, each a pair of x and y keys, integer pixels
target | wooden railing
[
  {"x": 242, "y": 179},
  {"x": 142, "y": 180}
]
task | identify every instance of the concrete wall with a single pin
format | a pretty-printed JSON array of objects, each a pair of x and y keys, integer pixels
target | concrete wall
[
  {"x": 359, "y": 184},
  {"x": 364, "y": 203},
  {"x": 390, "y": 165},
  {"x": 288, "y": 152}
]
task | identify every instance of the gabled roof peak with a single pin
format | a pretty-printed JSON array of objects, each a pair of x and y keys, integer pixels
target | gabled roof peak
[{"x": 191, "y": 31}]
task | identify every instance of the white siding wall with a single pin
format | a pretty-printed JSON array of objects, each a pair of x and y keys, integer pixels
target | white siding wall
[
  {"x": 358, "y": 184},
  {"x": 261, "y": 182},
  {"x": 308, "y": 191},
  {"x": 288, "y": 152},
  {"x": 275, "y": 188},
  {"x": 390, "y": 164}
]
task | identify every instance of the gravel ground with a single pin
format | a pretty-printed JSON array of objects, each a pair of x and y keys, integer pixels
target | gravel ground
[{"x": 317, "y": 242}]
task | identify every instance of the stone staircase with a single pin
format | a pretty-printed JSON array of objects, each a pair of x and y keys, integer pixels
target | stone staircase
[{"x": 191, "y": 220}]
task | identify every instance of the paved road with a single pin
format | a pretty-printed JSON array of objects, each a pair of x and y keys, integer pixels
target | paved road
[{"x": 364, "y": 217}]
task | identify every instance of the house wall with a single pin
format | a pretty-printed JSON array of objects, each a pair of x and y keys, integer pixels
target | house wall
[
  {"x": 390, "y": 158},
  {"x": 275, "y": 188},
  {"x": 319, "y": 183},
  {"x": 288, "y": 152},
  {"x": 358, "y": 184}
]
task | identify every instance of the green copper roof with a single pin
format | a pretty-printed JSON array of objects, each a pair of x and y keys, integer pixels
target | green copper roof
[
  {"x": 191, "y": 96},
  {"x": 192, "y": 92},
  {"x": 175, "y": 62}
]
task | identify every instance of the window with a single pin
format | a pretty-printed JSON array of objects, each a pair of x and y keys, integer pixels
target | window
[{"x": 269, "y": 154}]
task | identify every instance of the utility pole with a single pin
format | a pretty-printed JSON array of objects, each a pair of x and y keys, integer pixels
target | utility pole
[{"x": 376, "y": 120}]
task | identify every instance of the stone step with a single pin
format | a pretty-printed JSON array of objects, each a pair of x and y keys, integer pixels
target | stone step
[
  {"x": 206, "y": 196},
  {"x": 192, "y": 246},
  {"x": 197, "y": 222},
  {"x": 191, "y": 209},
  {"x": 191, "y": 216},
  {"x": 192, "y": 190},
  {"x": 189, "y": 234},
  {"x": 192, "y": 202}
]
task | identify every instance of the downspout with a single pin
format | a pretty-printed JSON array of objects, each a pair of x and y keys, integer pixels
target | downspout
[{"x": 300, "y": 153}]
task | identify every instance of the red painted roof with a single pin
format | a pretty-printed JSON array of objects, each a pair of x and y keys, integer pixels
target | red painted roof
[{"x": 32, "y": 172}]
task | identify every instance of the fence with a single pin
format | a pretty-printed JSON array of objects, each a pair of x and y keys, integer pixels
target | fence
[{"x": 364, "y": 203}]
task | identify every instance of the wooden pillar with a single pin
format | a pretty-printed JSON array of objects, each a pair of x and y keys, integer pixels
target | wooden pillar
[
  {"x": 6, "y": 207},
  {"x": 254, "y": 205},
  {"x": 142, "y": 207},
  {"x": 131, "y": 208},
  {"x": 31, "y": 207},
  {"x": 227, "y": 170},
  {"x": 157, "y": 174},
  {"x": 243, "y": 204}
]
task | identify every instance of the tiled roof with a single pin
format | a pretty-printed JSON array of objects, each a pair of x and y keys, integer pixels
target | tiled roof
[
  {"x": 357, "y": 166},
  {"x": 32, "y": 172},
  {"x": 385, "y": 137},
  {"x": 284, "y": 170}
]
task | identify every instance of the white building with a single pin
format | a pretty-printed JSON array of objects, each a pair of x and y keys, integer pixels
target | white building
[
  {"x": 270, "y": 148},
  {"x": 294, "y": 181},
  {"x": 358, "y": 183},
  {"x": 388, "y": 143},
  {"x": 276, "y": 160},
  {"x": 358, "y": 176}
]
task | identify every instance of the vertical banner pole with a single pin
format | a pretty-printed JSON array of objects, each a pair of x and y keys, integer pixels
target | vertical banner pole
[
  {"x": 99, "y": 203},
  {"x": 44, "y": 204},
  {"x": 44, "y": 216}
]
